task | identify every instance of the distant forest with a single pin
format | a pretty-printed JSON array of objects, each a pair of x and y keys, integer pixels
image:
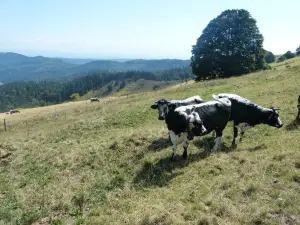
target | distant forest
[{"x": 30, "y": 94}]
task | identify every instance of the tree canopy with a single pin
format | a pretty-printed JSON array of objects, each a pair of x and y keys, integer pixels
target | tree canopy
[
  {"x": 281, "y": 58},
  {"x": 298, "y": 51},
  {"x": 269, "y": 57},
  {"x": 289, "y": 55},
  {"x": 231, "y": 44}
]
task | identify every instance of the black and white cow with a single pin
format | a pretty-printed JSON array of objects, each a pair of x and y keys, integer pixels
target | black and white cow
[
  {"x": 94, "y": 100},
  {"x": 12, "y": 111},
  {"x": 298, "y": 106},
  {"x": 163, "y": 105},
  {"x": 246, "y": 115},
  {"x": 185, "y": 122}
]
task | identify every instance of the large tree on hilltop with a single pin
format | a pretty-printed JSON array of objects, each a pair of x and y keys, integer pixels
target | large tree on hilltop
[{"x": 231, "y": 44}]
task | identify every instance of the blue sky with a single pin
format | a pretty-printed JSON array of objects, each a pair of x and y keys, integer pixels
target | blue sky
[{"x": 133, "y": 28}]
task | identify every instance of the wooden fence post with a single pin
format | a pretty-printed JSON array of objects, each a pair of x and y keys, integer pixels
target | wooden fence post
[{"x": 4, "y": 124}]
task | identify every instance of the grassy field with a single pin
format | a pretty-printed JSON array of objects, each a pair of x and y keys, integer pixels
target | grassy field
[{"x": 108, "y": 162}]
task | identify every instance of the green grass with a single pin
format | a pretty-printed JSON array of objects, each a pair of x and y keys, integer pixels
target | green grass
[{"x": 108, "y": 162}]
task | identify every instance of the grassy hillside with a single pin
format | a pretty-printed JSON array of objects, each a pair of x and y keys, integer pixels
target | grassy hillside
[
  {"x": 131, "y": 87},
  {"x": 108, "y": 162}
]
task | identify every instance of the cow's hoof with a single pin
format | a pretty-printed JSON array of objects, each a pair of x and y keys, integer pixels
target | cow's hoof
[{"x": 184, "y": 156}]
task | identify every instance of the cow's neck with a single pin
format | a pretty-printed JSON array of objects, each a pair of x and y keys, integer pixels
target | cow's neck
[
  {"x": 260, "y": 116},
  {"x": 170, "y": 116}
]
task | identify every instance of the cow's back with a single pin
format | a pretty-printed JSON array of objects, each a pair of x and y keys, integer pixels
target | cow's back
[
  {"x": 243, "y": 110},
  {"x": 214, "y": 115}
]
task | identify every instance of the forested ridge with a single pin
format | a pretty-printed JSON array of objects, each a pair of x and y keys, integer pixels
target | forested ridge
[
  {"x": 41, "y": 93},
  {"x": 16, "y": 67}
]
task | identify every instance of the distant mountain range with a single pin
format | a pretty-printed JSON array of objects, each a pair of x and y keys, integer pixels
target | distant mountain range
[
  {"x": 17, "y": 67},
  {"x": 87, "y": 60}
]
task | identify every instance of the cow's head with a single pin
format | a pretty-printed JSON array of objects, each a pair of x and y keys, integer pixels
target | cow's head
[
  {"x": 273, "y": 118},
  {"x": 163, "y": 108},
  {"x": 196, "y": 126}
]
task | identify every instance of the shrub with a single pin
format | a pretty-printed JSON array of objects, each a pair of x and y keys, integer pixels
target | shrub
[
  {"x": 75, "y": 97},
  {"x": 281, "y": 58}
]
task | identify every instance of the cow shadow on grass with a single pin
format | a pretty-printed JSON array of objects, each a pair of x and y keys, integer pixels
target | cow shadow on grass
[
  {"x": 256, "y": 148},
  {"x": 207, "y": 143},
  {"x": 294, "y": 125},
  {"x": 162, "y": 172},
  {"x": 160, "y": 144}
]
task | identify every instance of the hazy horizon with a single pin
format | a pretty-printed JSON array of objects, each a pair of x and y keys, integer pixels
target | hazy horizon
[{"x": 133, "y": 29}]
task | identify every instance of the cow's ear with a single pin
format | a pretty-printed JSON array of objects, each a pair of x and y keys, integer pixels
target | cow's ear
[
  {"x": 197, "y": 118},
  {"x": 154, "y": 106}
]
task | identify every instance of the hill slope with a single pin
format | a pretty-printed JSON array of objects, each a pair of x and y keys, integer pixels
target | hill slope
[
  {"x": 131, "y": 87},
  {"x": 108, "y": 162},
  {"x": 32, "y": 94},
  {"x": 86, "y": 60},
  {"x": 132, "y": 65},
  {"x": 16, "y": 67}
]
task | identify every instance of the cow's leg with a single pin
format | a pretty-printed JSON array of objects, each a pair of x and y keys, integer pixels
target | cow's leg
[
  {"x": 235, "y": 134},
  {"x": 213, "y": 134},
  {"x": 218, "y": 140},
  {"x": 169, "y": 136},
  {"x": 185, "y": 147},
  {"x": 174, "y": 140},
  {"x": 241, "y": 136},
  {"x": 243, "y": 128}
]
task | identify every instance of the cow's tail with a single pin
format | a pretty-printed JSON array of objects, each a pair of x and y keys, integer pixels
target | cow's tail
[
  {"x": 299, "y": 100},
  {"x": 223, "y": 101}
]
